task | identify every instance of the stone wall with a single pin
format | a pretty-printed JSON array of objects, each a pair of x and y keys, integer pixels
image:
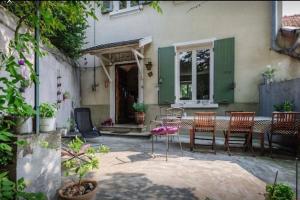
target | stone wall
[
  {"x": 39, "y": 163},
  {"x": 51, "y": 65}
]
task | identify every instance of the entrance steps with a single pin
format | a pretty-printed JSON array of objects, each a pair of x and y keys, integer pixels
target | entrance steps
[{"x": 125, "y": 129}]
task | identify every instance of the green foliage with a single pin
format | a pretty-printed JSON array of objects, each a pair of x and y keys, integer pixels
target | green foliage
[
  {"x": 140, "y": 107},
  {"x": 62, "y": 23},
  {"x": 10, "y": 190},
  {"x": 48, "y": 110},
  {"x": 286, "y": 106},
  {"x": 280, "y": 191},
  {"x": 81, "y": 159},
  {"x": 155, "y": 5}
]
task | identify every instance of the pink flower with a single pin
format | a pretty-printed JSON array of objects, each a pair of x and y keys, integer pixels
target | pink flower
[{"x": 25, "y": 72}]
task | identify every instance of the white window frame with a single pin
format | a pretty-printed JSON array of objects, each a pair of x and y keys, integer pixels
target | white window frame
[
  {"x": 194, "y": 103},
  {"x": 128, "y": 10}
]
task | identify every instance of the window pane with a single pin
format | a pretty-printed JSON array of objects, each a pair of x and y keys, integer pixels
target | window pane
[
  {"x": 202, "y": 63},
  {"x": 122, "y": 4},
  {"x": 134, "y": 3},
  {"x": 185, "y": 75}
]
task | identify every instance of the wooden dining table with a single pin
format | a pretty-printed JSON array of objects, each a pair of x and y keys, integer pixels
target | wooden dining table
[{"x": 261, "y": 126}]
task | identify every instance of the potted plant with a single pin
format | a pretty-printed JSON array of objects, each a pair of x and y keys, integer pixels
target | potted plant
[
  {"x": 80, "y": 159},
  {"x": 25, "y": 112},
  {"x": 286, "y": 106},
  {"x": 140, "y": 110},
  {"x": 269, "y": 74},
  {"x": 279, "y": 191},
  {"x": 47, "y": 117}
]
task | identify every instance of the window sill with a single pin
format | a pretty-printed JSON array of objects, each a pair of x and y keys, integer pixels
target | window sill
[
  {"x": 195, "y": 105},
  {"x": 126, "y": 11}
]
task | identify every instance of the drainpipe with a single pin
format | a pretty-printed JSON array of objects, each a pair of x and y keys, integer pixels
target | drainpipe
[
  {"x": 276, "y": 22},
  {"x": 37, "y": 69}
]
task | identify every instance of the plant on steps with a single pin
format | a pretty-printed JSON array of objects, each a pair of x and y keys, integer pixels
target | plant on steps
[{"x": 140, "y": 109}]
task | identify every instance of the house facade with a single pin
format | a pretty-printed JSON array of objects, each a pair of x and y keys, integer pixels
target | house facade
[{"x": 199, "y": 55}]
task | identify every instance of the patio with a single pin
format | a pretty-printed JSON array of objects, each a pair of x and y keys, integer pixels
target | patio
[
  {"x": 130, "y": 172},
  {"x": 123, "y": 78}
]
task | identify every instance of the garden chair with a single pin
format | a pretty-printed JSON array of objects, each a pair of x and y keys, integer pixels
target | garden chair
[
  {"x": 169, "y": 127},
  {"x": 204, "y": 122},
  {"x": 240, "y": 123},
  {"x": 284, "y": 124},
  {"x": 84, "y": 123}
]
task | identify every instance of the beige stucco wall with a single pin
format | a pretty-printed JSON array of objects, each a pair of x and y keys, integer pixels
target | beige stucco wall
[{"x": 249, "y": 22}]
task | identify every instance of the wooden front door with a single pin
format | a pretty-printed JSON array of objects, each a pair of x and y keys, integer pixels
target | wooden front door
[{"x": 126, "y": 84}]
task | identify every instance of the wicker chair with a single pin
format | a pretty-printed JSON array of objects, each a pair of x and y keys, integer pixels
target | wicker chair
[
  {"x": 204, "y": 122},
  {"x": 240, "y": 123},
  {"x": 284, "y": 124}
]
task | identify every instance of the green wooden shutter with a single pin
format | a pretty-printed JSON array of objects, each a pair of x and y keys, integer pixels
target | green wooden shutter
[
  {"x": 166, "y": 75},
  {"x": 224, "y": 70}
]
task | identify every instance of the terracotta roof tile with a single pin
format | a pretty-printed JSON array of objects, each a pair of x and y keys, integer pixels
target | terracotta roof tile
[{"x": 293, "y": 20}]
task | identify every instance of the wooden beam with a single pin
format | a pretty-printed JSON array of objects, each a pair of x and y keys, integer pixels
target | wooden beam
[
  {"x": 104, "y": 69},
  {"x": 104, "y": 58},
  {"x": 138, "y": 62},
  {"x": 137, "y": 53}
]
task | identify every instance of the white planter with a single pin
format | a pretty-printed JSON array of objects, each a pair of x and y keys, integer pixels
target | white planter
[
  {"x": 47, "y": 124},
  {"x": 23, "y": 125}
]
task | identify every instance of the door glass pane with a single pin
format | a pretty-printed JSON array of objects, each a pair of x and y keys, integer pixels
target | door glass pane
[
  {"x": 185, "y": 62},
  {"x": 202, "y": 63},
  {"x": 122, "y": 4}
]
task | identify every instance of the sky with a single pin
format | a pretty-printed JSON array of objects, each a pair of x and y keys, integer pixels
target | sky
[{"x": 290, "y": 7}]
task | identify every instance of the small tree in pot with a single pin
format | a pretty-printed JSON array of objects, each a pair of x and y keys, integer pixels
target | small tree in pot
[
  {"x": 140, "y": 110},
  {"x": 47, "y": 117},
  {"x": 80, "y": 160}
]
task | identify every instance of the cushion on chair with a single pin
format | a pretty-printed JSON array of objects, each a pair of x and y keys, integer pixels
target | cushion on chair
[{"x": 162, "y": 130}]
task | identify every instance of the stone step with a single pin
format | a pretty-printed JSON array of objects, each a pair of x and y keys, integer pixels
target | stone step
[{"x": 123, "y": 128}]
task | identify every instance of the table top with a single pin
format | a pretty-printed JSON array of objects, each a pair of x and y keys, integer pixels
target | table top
[{"x": 256, "y": 118}]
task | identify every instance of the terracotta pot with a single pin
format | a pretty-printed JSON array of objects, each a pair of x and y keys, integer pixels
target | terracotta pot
[
  {"x": 87, "y": 196},
  {"x": 139, "y": 117}
]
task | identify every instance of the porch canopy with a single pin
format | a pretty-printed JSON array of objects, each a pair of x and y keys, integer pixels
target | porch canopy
[
  {"x": 125, "y": 50},
  {"x": 122, "y": 51}
]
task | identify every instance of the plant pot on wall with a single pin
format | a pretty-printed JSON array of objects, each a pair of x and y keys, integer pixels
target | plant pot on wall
[
  {"x": 23, "y": 125},
  {"x": 140, "y": 118},
  {"x": 47, "y": 117},
  {"x": 47, "y": 124}
]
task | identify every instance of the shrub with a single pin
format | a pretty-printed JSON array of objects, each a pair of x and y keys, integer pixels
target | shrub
[
  {"x": 48, "y": 110},
  {"x": 280, "y": 191},
  {"x": 81, "y": 159},
  {"x": 286, "y": 106}
]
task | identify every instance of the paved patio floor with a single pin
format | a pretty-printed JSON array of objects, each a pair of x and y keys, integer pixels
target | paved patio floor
[{"x": 130, "y": 172}]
